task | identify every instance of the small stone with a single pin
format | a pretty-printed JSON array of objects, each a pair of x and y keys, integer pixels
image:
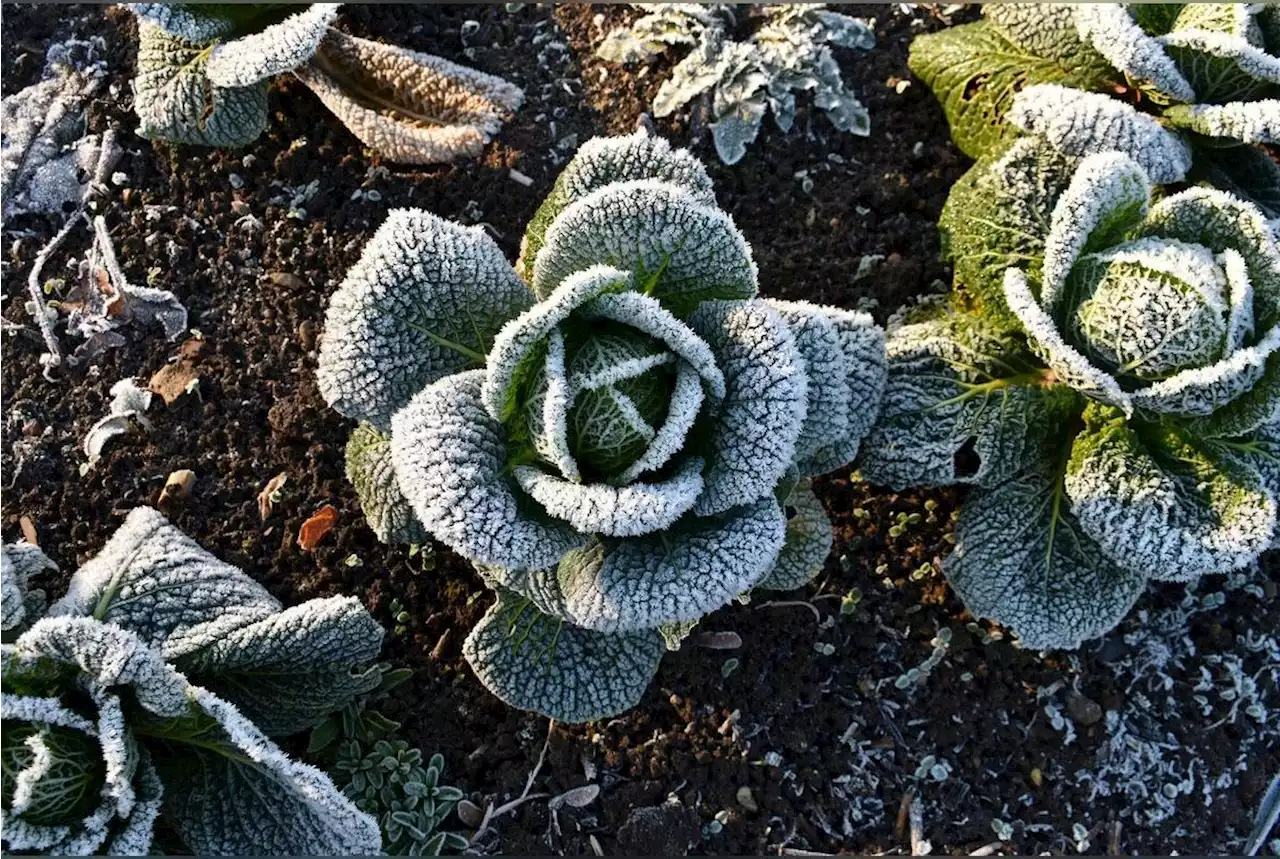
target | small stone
[
  {"x": 308, "y": 333},
  {"x": 236, "y": 181},
  {"x": 746, "y": 800},
  {"x": 177, "y": 487},
  {"x": 286, "y": 279},
  {"x": 1084, "y": 711}
]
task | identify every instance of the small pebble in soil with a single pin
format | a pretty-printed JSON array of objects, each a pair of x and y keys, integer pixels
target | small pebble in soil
[
  {"x": 746, "y": 800},
  {"x": 1084, "y": 711}
]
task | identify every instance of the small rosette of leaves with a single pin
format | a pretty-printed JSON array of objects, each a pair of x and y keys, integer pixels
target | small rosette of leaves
[
  {"x": 1109, "y": 377},
  {"x": 617, "y": 446},
  {"x": 151, "y": 690},
  {"x": 789, "y": 53},
  {"x": 203, "y": 73},
  {"x": 1188, "y": 91}
]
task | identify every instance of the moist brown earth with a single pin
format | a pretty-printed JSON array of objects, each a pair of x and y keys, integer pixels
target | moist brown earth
[{"x": 800, "y": 739}]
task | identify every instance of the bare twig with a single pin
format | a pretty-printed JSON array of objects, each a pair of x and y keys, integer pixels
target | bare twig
[
  {"x": 915, "y": 817},
  {"x": 988, "y": 849},
  {"x": 491, "y": 813},
  {"x": 107, "y": 155}
]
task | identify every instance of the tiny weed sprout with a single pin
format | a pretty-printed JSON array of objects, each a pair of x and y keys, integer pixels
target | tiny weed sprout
[
  {"x": 789, "y": 53},
  {"x": 151, "y": 691},
  {"x": 1188, "y": 91},
  {"x": 203, "y": 72},
  {"x": 621, "y": 444},
  {"x": 1107, "y": 375}
]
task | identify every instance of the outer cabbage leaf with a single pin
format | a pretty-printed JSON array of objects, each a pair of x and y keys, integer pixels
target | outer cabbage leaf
[
  {"x": 273, "y": 50},
  {"x": 690, "y": 570},
  {"x": 156, "y": 582},
  {"x": 21, "y": 605},
  {"x": 1162, "y": 509},
  {"x": 1222, "y": 67},
  {"x": 450, "y": 459},
  {"x": 1250, "y": 121},
  {"x": 603, "y": 161},
  {"x": 1112, "y": 32},
  {"x": 288, "y": 671},
  {"x": 371, "y": 471},
  {"x": 753, "y": 436},
  {"x": 682, "y": 252},
  {"x": 976, "y": 72},
  {"x": 536, "y": 662},
  {"x": 845, "y": 365},
  {"x": 425, "y": 300},
  {"x": 1022, "y": 560},
  {"x": 176, "y": 101},
  {"x": 1042, "y": 29},
  {"x": 808, "y": 542},
  {"x": 409, "y": 107},
  {"x": 234, "y": 792},
  {"x": 997, "y": 217},
  {"x": 1087, "y": 123},
  {"x": 960, "y": 390}
]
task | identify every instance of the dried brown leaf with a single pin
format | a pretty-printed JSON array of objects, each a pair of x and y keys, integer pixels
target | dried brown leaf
[{"x": 314, "y": 529}]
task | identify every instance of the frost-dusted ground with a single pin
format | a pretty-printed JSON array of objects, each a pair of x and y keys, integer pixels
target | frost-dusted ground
[{"x": 1167, "y": 728}]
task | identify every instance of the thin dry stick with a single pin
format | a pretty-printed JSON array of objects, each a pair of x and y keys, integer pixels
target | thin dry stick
[
  {"x": 107, "y": 153},
  {"x": 915, "y": 817},
  {"x": 490, "y": 813},
  {"x": 817, "y": 615}
]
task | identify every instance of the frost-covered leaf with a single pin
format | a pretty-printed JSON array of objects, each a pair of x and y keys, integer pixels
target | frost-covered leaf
[
  {"x": 1258, "y": 406},
  {"x": 175, "y": 100},
  {"x": 846, "y": 369},
  {"x": 683, "y": 251},
  {"x": 287, "y": 671},
  {"x": 1014, "y": 195},
  {"x": 1070, "y": 366},
  {"x": 1023, "y": 560},
  {"x": 681, "y": 574},
  {"x": 1247, "y": 172},
  {"x": 1219, "y": 221},
  {"x": 1043, "y": 29},
  {"x": 425, "y": 300},
  {"x": 233, "y": 791},
  {"x": 808, "y": 542},
  {"x": 21, "y": 605},
  {"x": 1112, "y": 32},
  {"x": 964, "y": 404},
  {"x": 409, "y": 107},
  {"x": 615, "y": 511},
  {"x": 196, "y": 22},
  {"x": 39, "y": 123},
  {"x": 450, "y": 459},
  {"x": 603, "y": 161},
  {"x": 1249, "y": 121},
  {"x": 1085, "y": 123},
  {"x": 273, "y": 50},
  {"x": 156, "y": 582},
  {"x": 976, "y": 73},
  {"x": 753, "y": 438},
  {"x": 372, "y": 473},
  {"x": 1109, "y": 194},
  {"x": 536, "y": 662},
  {"x": 1161, "y": 508},
  {"x": 1221, "y": 67},
  {"x": 737, "y": 128}
]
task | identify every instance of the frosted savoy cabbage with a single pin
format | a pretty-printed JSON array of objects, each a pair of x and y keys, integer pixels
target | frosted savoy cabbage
[
  {"x": 789, "y": 52},
  {"x": 151, "y": 690},
  {"x": 1191, "y": 92},
  {"x": 203, "y": 72},
  {"x": 1108, "y": 377},
  {"x": 617, "y": 433}
]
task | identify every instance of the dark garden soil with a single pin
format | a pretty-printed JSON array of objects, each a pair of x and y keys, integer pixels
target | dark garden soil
[{"x": 809, "y": 743}]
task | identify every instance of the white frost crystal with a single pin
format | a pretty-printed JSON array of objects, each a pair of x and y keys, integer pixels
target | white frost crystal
[
  {"x": 188, "y": 666},
  {"x": 203, "y": 73},
  {"x": 621, "y": 455},
  {"x": 1113, "y": 400}
]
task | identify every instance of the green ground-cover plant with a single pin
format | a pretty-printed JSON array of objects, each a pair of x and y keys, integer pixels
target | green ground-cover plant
[
  {"x": 150, "y": 693},
  {"x": 1107, "y": 375},
  {"x": 789, "y": 53},
  {"x": 1189, "y": 91},
  {"x": 620, "y": 445},
  {"x": 203, "y": 71}
]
